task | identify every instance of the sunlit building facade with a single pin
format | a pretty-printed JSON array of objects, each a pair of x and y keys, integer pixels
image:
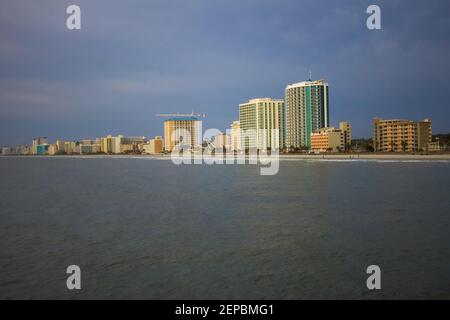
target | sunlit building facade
[
  {"x": 175, "y": 130},
  {"x": 328, "y": 140},
  {"x": 401, "y": 135},
  {"x": 259, "y": 119},
  {"x": 236, "y": 136}
]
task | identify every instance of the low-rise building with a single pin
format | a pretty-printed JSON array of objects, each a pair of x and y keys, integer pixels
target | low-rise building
[
  {"x": 436, "y": 147},
  {"x": 328, "y": 140},
  {"x": 154, "y": 146},
  {"x": 131, "y": 144},
  {"x": 401, "y": 135},
  {"x": 5, "y": 151},
  {"x": 221, "y": 141}
]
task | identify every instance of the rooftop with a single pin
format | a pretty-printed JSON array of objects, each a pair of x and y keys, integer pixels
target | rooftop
[
  {"x": 182, "y": 119},
  {"x": 308, "y": 84}
]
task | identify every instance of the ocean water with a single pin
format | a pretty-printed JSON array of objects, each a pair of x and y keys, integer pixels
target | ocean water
[{"x": 147, "y": 229}]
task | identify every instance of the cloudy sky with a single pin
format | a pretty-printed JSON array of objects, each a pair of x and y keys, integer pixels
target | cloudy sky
[{"x": 133, "y": 59}]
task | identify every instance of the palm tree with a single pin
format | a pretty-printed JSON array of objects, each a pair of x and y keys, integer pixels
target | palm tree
[
  {"x": 392, "y": 144},
  {"x": 404, "y": 145}
]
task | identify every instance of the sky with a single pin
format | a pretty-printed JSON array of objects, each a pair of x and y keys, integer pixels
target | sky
[{"x": 133, "y": 59}]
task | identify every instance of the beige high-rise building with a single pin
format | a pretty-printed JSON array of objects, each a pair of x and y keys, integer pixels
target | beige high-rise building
[
  {"x": 401, "y": 135},
  {"x": 116, "y": 144},
  {"x": 52, "y": 150},
  {"x": 328, "y": 140},
  {"x": 236, "y": 136},
  {"x": 346, "y": 128},
  {"x": 175, "y": 128},
  {"x": 60, "y": 147},
  {"x": 258, "y": 119},
  {"x": 69, "y": 147}
]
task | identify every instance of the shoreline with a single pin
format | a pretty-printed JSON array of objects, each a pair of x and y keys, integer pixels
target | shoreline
[{"x": 287, "y": 157}]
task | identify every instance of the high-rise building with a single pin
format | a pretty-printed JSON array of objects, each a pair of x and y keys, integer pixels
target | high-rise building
[
  {"x": 236, "y": 136},
  {"x": 105, "y": 144},
  {"x": 307, "y": 110},
  {"x": 52, "y": 150},
  {"x": 69, "y": 147},
  {"x": 176, "y": 128},
  {"x": 346, "y": 128},
  {"x": 328, "y": 140},
  {"x": 258, "y": 120},
  {"x": 60, "y": 147},
  {"x": 401, "y": 135},
  {"x": 116, "y": 143}
]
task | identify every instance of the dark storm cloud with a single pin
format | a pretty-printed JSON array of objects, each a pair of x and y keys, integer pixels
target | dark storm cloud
[{"x": 133, "y": 59}]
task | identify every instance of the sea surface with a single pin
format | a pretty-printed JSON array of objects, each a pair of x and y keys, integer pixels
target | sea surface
[{"x": 147, "y": 229}]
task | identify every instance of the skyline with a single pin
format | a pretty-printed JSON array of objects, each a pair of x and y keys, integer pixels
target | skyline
[{"x": 129, "y": 63}]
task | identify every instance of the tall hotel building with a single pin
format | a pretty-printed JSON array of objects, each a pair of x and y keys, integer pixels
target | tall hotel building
[
  {"x": 174, "y": 129},
  {"x": 401, "y": 135},
  {"x": 257, "y": 119},
  {"x": 307, "y": 110}
]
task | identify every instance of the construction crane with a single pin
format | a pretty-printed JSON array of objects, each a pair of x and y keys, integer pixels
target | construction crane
[{"x": 181, "y": 115}]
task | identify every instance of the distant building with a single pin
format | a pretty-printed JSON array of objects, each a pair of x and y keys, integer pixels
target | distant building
[
  {"x": 154, "y": 146},
  {"x": 436, "y": 147},
  {"x": 236, "y": 136},
  {"x": 258, "y": 119},
  {"x": 131, "y": 144},
  {"x": 42, "y": 149},
  {"x": 21, "y": 150},
  {"x": 346, "y": 128},
  {"x": 174, "y": 129},
  {"x": 69, "y": 147},
  {"x": 328, "y": 140},
  {"x": 401, "y": 135},
  {"x": 60, "y": 147},
  {"x": 307, "y": 110},
  {"x": 36, "y": 142},
  {"x": 221, "y": 141},
  {"x": 116, "y": 144},
  {"x": 106, "y": 144},
  {"x": 52, "y": 150}
]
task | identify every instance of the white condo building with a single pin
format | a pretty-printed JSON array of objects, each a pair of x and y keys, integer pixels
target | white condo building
[{"x": 258, "y": 120}]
